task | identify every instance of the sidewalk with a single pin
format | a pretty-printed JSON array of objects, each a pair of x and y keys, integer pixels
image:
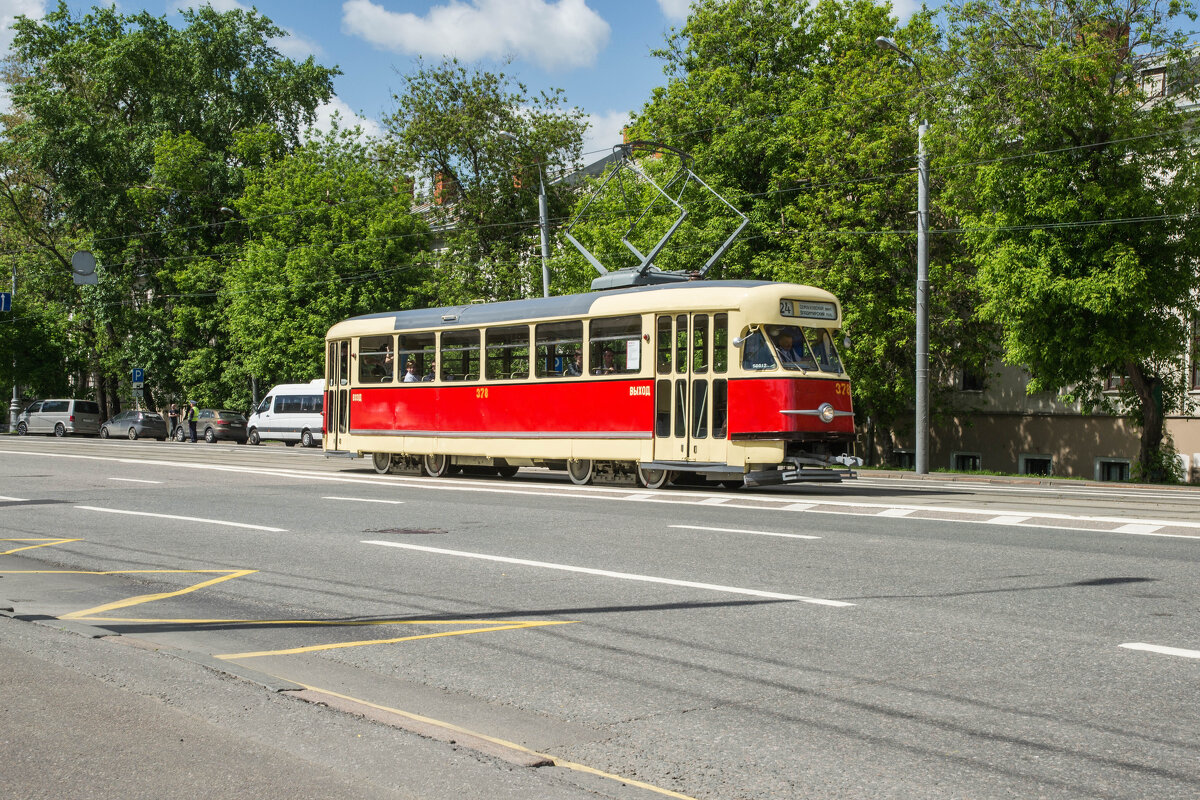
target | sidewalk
[{"x": 93, "y": 718}]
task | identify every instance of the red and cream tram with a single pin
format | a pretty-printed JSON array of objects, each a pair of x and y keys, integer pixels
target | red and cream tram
[{"x": 730, "y": 381}]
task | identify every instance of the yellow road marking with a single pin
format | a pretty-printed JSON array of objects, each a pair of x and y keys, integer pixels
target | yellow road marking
[
  {"x": 44, "y": 543},
  {"x": 558, "y": 762},
  {"x": 149, "y": 598},
  {"x": 339, "y": 645}
]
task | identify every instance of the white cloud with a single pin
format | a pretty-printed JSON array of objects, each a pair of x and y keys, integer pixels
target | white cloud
[
  {"x": 347, "y": 118},
  {"x": 675, "y": 10},
  {"x": 903, "y": 9},
  {"x": 557, "y": 34},
  {"x": 9, "y": 11},
  {"x": 604, "y": 132}
]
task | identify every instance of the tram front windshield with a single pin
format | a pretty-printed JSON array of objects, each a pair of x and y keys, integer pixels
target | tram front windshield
[{"x": 804, "y": 349}]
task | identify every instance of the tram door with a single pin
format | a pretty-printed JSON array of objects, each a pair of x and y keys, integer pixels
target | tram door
[
  {"x": 337, "y": 394},
  {"x": 691, "y": 388}
]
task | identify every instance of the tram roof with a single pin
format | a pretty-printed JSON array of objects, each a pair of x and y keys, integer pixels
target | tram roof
[{"x": 699, "y": 295}]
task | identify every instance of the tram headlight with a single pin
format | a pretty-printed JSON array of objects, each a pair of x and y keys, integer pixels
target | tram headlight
[{"x": 826, "y": 412}]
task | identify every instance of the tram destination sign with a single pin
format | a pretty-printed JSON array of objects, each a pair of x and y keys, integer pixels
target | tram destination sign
[{"x": 807, "y": 309}]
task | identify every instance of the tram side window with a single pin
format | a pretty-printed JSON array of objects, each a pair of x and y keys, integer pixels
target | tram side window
[
  {"x": 700, "y": 344},
  {"x": 720, "y": 346},
  {"x": 820, "y": 344},
  {"x": 343, "y": 363},
  {"x": 376, "y": 362},
  {"x": 558, "y": 349},
  {"x": 615, "y": 345},
  {"x": 419, "y": 351},
  {"x": 331, "y": 365},
  {"x": 460, "y": 355},
  {"x": 664, "y": 346},
  {"x": 756, "y": 354},
  {"x": 507, "y": 353}
]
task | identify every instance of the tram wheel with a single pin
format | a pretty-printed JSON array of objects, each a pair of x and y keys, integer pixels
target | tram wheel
[
  {"x": 383, "y": 462},
  {"x": 435, "y": 465},
  {"x": 653, "y": 478},
  {"x": 505, "y": 470},
  {"x": 733, "y": 484},
  {"x": 581, "y": 471}
]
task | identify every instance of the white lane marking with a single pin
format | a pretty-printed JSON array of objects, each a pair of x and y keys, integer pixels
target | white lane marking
[
  {"x": 1134, "y": 527},
  {"x": 1167, "y": 651},
  {"x": 895, "y": 512},
  {"x": 766, "y": 502},
  {"x": 13, "y": 499},
  {"x": 185, "y": 519},
  {"x": 628, "y": 576},
  {"x": 365, "y": 500},
  {"x": 1011, "y": 519},
  {"x": 738, "y": 530},
  {"x": 133, "y": 480},
  {"x": 714, "y": 501},
  {"x": 942, "y": 486}
]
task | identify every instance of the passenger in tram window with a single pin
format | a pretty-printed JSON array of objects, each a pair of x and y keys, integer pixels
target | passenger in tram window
[
  {"x": 574, "y": 366},
  {"x": 792, "y": 352},
  {"x": 410, "y": 372},
  {"x": 608, "y": 363},
  {"x": 429, "y": 375}
]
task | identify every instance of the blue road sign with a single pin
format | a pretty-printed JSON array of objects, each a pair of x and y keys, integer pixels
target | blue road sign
[
  {"x": 139, "y": 375},
  {"x": 5, "y": 301}
]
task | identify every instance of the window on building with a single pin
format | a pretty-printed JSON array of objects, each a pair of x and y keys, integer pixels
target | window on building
[
  {"x": 966, "y": 462},
  {"x": 1112, "y": 469},
  {"x": 972, "y": 381},
  {"x": 1114, "y": 382},
  {"x": 1035, "y": 465}
]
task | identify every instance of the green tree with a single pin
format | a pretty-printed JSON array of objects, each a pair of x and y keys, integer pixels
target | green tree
[
  {"x": 482, "y": 139},
  {"x": 1078, "y": 201},
  {"x": 791, "y": 111},
  {"x": 329, "y": 234},
  {"x": 112, "y": 108}
]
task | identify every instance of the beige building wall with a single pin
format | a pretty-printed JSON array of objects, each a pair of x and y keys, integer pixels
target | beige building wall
[{"x": 1006, "y": 430}]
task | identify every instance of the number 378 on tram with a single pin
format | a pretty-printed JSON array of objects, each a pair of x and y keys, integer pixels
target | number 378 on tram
[{"x": 733, "y": 382}]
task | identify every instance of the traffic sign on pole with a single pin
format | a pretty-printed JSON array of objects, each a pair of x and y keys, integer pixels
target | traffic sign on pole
[
  {"x": 139, "y": 376},
  {"x": 5, "y": 301}
]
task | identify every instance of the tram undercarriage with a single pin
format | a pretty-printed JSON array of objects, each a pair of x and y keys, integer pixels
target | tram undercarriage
[{"x": 798, "y": 468}]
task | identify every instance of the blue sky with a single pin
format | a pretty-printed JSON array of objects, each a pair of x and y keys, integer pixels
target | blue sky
[{"x": 598, "y": 51}]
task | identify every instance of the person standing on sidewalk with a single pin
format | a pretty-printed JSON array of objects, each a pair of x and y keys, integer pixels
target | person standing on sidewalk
[{"x": 190, "y": 416}]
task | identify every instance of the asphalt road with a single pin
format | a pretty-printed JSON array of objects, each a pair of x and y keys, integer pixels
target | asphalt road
[{"x": 888, "y": 637}]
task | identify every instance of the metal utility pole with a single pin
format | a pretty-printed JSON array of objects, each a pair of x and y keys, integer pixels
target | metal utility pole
[
  {"x": 922, "y": 372},
  {"x": 14, "y": 408}
]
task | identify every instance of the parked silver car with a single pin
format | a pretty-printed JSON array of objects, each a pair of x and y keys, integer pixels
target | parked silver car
[
  {"x": 135, "y": 425},
  {"x": 60, "y": 417}
]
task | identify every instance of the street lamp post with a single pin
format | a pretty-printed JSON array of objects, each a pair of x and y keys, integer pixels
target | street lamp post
[{"x": 922, "y": 374}]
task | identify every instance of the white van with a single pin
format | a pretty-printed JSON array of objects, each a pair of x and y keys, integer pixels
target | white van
[{"x": 291, "y": 412}]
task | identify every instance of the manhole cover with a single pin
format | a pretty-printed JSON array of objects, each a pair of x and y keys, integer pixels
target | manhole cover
[{"x": 404, "y": 531}]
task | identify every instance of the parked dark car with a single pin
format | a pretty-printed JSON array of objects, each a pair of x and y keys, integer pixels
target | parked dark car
[
  {"x": 214, "y": 425},
  {"x": 135, "y": 425}
]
